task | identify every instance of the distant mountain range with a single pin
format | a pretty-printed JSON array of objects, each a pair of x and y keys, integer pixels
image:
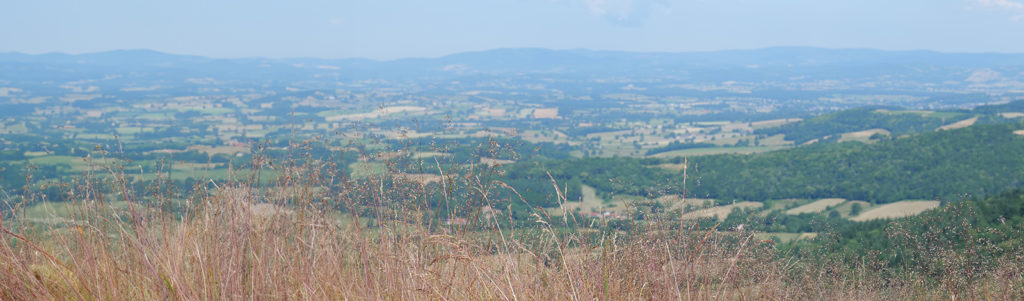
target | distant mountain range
[{"x": 760, "y": 65}]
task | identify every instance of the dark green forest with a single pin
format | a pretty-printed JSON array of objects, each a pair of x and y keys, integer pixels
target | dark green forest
[
  {"x": 945, "y": 165},
  {"x": 859, "y": 119}
]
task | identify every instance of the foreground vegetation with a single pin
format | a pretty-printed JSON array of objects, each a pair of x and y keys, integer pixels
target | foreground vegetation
[
  {"x": 316, "y": 233},
  {"x": 149, "y": 182}
]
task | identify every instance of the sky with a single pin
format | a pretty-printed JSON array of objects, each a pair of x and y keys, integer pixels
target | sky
[{"x": 391, "y": 29}]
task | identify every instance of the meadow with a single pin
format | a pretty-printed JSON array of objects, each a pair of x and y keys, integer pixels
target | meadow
[{"x": 330, "y": 236}]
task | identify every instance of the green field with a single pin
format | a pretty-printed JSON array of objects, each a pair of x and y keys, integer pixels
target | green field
[
  {"x": 360, "y": 170},
  {"x": 784, "y": 204},
  {"x": 70, "y": 164}
]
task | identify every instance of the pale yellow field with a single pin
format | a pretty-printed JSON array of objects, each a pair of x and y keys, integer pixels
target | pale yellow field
[
  {"x": 591, "y": 203},
  {"x": 421, "y": 155},
  {"x": 495, "y": 112},
  {"x": 397, "y": 109},
  {"x": 1019, "y": 132},
  {"x": 550, "y": 113},
  {"x": 959, "y": 124},
  {"x": 422, "y": 178},
  {"x": 671, "y": 166},
  {"x": 409, "y": 134},
  {"x": 720, "y": 212},
  {"x": 773, "y": 123},
  {"x": 919, "y": 112},
  {"x": 212, "y": 150},
  {"x": 713, "y": 123},
  {"x": 861, "y": 135},
  {"x": 492, "y": 161},
  {"x": 897, "y": 209},
  {"x": 376, "y": 113},
  {"x": 192, "y": 166},
  {"x": 1012, "y": 115},
  {"x": 816, "y": 206}
]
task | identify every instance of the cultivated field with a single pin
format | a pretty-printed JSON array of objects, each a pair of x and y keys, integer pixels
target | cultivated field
[
  {"x": 776, "y": 140},
  {"x": 897, "y": 209},
  {"x": 863, "y": 136},
  {"x": 781, "y": 205},
  {"x": 816, "y": 206},
  {"x": 1012, "y": 115},
  {"x": 379, "y": 113},
  {"x": 846, "y": 209},
  {"x": 783, "y": 237},
  {"x": 551, "y": 113},
  {"x": 590, "y": 203},
  {"x": 720, "y": 212},
  {"x": 422, "y": 178},
  {"x": 493, "y": 161},
  {"x": 495, "y": 112},
  {"x": 213, "y": 150},
  {"x": 918, "y": 112},
  {"x": 677, "y": 202},
  {"x": 421, "y": 155},
  {"x": 960, "y": 124},
  {"x": 773, "y": 123},
  {"x": 360, "y": 170}
]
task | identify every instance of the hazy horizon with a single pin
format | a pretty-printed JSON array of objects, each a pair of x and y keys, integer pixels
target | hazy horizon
[
  {"x": 386, "y": 30},
  {"x": 511, "y": 48}
]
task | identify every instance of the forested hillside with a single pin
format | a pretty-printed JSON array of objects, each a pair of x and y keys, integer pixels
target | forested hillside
[
  {"x": 860, "y": 119},
  {"x": 945, "y": 165},
  {"x": 976, "y": 160}
]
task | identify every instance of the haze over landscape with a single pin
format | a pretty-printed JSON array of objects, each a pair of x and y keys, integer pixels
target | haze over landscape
[
  {"x": 402, "y": 28},
  {"x": 512, "y": 149}
]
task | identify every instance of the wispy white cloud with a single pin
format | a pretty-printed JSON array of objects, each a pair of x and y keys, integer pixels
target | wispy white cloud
[
  {"x": 1006, "y": 4},
  {"x": 1013, "y": 8},
  {"x": 625, "y": 12}
]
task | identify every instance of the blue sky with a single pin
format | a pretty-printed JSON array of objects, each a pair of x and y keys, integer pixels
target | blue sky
[{"x": 389, "y": 29}]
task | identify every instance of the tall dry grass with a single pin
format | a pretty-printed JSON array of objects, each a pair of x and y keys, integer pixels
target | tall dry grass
[{"x": 244, "y": 239}]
